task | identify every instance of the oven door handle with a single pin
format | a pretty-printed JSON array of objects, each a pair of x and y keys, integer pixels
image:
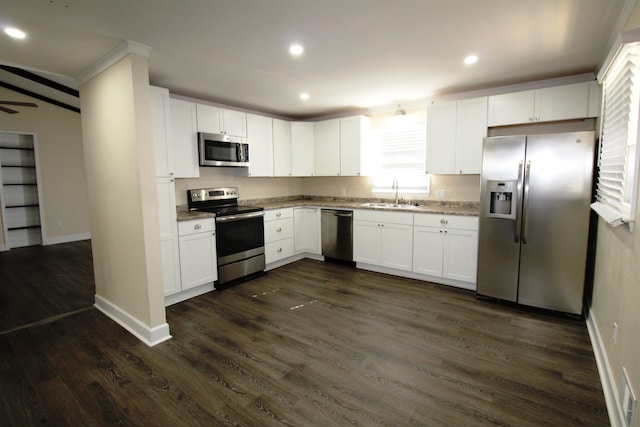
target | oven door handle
[{"x": 239, "y": 217}]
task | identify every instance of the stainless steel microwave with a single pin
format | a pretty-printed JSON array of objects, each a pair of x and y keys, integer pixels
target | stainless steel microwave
[{"x": 222, "y": 150}]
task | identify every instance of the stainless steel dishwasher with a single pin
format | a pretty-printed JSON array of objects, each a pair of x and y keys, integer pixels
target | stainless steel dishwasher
[{"x": 337, "y": 234}]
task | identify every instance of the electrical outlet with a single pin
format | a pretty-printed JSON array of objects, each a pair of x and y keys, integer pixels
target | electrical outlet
[
  {"x": 615, "y": 332},
  {"x": 59, "y": 223},
  {"x": 343, "y": 192},
  {"x": 441, "y": 193}
]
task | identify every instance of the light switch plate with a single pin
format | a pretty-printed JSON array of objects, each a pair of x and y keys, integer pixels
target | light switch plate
[{"x": 441, "y": 193}]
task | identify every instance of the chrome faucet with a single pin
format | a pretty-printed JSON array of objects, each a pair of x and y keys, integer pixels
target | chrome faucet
[{"x": 394, "y": 186}]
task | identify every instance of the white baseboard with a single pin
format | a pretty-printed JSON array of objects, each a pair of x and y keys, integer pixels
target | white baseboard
[
  {"x": 149, "y": 336},
  {"x": 3, "y": 248},
  {"x": 609, "y": 385},
  {"x": 411, "y": 275},
  {"x": 189, "y": 293},
  {"x": 66, "y": 239}
]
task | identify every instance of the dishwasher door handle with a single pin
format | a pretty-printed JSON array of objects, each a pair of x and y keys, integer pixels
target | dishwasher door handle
[{"x": 346, "y": 215}]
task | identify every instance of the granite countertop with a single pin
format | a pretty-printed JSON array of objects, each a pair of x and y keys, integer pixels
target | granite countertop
[{"x": 426, "y": 206}]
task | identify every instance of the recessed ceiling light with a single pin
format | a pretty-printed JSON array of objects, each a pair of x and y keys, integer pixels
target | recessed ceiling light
[
  {"x": 471, "y": 59},
  {"x": 304, "y": 96},
  {"x": 15, "y": 33},
  {"x": 296, "y": 49}
]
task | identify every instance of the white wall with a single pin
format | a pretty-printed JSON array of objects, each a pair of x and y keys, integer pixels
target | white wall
[
  {"x": 117, "y": 137},
  {"x": 61, "y": 165}
]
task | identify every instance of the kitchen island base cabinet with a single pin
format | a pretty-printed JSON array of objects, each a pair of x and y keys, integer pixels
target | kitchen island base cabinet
[{"x": 383, "y": 239}]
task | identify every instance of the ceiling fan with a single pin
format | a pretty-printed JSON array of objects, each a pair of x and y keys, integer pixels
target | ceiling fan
[{"x": 15, "y": 103}]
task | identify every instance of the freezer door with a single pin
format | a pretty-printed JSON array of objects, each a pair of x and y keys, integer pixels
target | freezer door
[
  {"x": 498, "y": 238},
  {"x": 555, "y": 220}
]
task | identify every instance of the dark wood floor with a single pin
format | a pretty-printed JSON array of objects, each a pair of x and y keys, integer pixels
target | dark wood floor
[
  {"x": 310, "y": 343},
  {"x": 42, "y": 282}
]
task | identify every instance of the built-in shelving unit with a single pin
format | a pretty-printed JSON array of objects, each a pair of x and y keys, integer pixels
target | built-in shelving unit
[{"x": 20, "y": 201}]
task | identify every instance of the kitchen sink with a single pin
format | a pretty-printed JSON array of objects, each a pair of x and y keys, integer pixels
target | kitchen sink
[{"x": 390, "y": 205}]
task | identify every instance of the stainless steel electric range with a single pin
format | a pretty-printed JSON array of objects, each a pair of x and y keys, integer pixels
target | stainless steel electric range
[{"x": 239, "y": 232}]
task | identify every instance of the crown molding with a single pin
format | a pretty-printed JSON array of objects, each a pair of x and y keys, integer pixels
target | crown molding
[{"x": 126, "y": 48}]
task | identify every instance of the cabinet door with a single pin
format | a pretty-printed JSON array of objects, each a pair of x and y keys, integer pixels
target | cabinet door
[
  {"x": 511, "y": 108},
  {"x": 396, "y": 246},
  {"x": 234, "y": 122},
  {"x": 281, "y": 148},
  {"x": 198, "y": 259},
  {"x": 327, "y": 147},
  {"x": 562, "y": 102},
  {"x": 302, "y": 162},
  {"x": 470, "y": 130},
  {"x": 209, "y": 118},
  {"x": 260, "y": 135},
  {"x": 366, "y": 242},
  {"x": 306, "y": 230},
  {"x": 427, "y": 251},
  {"x": 354, "y": 133},
  {"x": 460, "y": 249},
  {"x": 168, "y": 235},
  {"x": 161, "y": 122},
  {"x": 184, "y": 139},
  {"x": 441, "y": 138}
]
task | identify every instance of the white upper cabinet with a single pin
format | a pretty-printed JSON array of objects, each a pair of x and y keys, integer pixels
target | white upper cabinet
[
  {"x": 281, "y": 148},
  {"x": 541, "y": 105},
  {"x": 441, "y": 138},
  {"x": 161, "y": 121},
  {"x": 221, "y": 120},
  {"x": 454, "y": 136},
  {"x": 327, "y": 147},
  {"x": 354, "y": 136},
  {"x": 184, "y": 139},
  {"x": 340, "y": 146},
  {"x": 302, "y": 149},
  {"x": 260, "y": 136},
  {"x": 470, "y": 130}
]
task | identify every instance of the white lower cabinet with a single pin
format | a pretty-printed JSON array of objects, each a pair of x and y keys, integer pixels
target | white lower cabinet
[
  {"x": 198, "y": 260},
  {"x": 278, "y": 234},
  {"x": 384, "y": 239},
  {"x": 446, "y": 246},
  {"x": 306, "y": 230}
]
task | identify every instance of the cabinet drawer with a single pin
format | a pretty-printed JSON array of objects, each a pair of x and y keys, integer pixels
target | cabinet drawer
[
  {"x": 383, "y": 216},
  {"x": 278, "y": 230},
  {"x": 449, "y": 221},
  {"x": 274, "y": 214},
  {"x": 276, "y": 251},
  {"x": 196, "y": 226}
]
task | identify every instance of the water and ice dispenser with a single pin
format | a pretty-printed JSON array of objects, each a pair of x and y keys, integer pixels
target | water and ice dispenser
[{"x": 502, "y": 199}]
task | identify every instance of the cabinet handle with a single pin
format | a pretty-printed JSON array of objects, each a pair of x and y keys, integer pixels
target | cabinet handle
[
  {"x": 441, "y": 231},
  {"x": 279, "y": 250},
  {"x": 171, "y": 173},
  {"x": 279, "y": 229},
  {"x": 279, "y": 214},
  {"x": 197, "y": 227}
]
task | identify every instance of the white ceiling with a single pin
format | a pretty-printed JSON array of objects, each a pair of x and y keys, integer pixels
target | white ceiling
[{"x": 359, "y": 54}]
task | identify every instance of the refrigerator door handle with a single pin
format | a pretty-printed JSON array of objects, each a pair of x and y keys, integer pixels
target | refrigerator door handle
[
  {"x": 518, "y": 224},
  {"x": 525, "y": 209}
]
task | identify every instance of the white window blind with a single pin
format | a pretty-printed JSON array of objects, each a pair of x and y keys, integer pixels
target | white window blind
[
  {"x": 617, "y": 179},
  {"x": 401, "y": 155}
]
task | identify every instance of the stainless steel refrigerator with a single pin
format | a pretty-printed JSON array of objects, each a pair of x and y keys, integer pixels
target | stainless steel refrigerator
[{"x": 534, "y": 219}]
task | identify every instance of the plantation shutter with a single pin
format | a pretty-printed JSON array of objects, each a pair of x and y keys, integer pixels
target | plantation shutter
[{"x": 618, "y": 139}]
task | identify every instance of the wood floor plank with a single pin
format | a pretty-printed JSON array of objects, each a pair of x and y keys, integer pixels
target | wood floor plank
[{"x": 310, "y": 343}]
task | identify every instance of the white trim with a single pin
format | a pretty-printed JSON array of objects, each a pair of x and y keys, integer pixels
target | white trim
[
  {"x": 3, "y": 247},
  {"x": 149, "y": 336},
  {"x": 607, "y": 378},
  {"x": 121, "y": 51},
  {"x": 411, "y": 275},
  {"x": 67, "y": 238},
  {"x": 189, "y": 293},
  {"x": 41, "y": 208}
]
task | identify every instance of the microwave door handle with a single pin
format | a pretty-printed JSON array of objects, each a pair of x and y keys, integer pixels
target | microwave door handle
[{"x": 238, "y": 151}]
